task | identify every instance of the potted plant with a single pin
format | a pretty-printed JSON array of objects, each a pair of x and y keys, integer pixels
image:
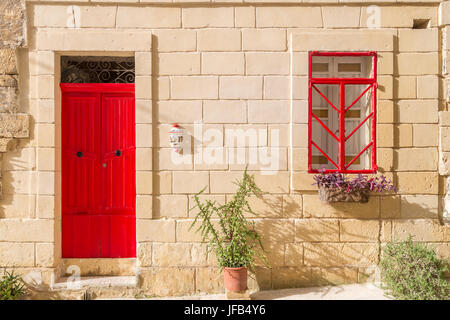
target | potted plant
[
  {"x": 230, "y": 235},
  {"x": 335, "y": 187}
]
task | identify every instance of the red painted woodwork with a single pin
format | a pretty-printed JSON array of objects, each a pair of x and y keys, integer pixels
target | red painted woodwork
[
  {"x": 98, "y": 171},
  {"x": 341, "y": 109}
]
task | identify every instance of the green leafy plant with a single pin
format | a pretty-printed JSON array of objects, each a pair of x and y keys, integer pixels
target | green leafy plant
[
  {"x": 232, "y": 237},
  {"x": 12, "y": 287},
  {"x": 412, "y": 271}
]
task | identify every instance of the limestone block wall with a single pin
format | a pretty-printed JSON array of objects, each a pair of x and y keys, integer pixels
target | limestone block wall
[
  {"x": 215, "y": 68},
  {"x": 444, "y": 115}
]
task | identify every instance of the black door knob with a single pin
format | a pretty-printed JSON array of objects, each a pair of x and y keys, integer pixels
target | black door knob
[
  {"x": 118, "y": 153},
  {"x": 79, "y": 154}
]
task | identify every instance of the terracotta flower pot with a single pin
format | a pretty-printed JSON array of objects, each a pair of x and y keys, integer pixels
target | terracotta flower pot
[{"x": 235, "y": 279}]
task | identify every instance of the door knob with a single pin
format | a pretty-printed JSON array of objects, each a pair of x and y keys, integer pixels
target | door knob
[
  {"x": 118, "y": 153},
  {"x": 104, "y": 164},
  {"x": 79, "y": 154}
]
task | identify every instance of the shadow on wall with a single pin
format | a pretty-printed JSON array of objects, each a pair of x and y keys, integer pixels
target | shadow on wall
[{"x": 345, "y": 249}]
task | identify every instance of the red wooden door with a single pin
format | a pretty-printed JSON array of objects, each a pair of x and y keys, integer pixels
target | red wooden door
[{"x": 98, "y": 171}]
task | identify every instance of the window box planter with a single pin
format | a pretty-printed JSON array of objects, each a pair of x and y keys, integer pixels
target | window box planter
[
  {"x": 340, "y": 195},
  {"x": 336, "y": 187}
]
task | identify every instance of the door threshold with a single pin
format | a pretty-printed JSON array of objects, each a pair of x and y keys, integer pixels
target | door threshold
[
  {"x": 71, "y": 283},
  {"x": 99, "y": 267}
]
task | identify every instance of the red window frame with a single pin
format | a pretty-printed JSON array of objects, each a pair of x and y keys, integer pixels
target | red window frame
[{"x": 342, "y": 82}]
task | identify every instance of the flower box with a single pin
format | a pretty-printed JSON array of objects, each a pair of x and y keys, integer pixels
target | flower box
[
  {"x": 335, "y": 187},
  {"x": 327, "y": 194}
]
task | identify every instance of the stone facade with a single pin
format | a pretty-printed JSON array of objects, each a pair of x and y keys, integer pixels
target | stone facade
[
  {"x": 444, "y": 116},
  {"x": 13, "y": 124},
  {"x": 229, "y": 66}
]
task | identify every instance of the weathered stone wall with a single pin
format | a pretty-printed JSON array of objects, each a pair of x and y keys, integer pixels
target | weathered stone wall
[
  {"x": 12, "y": 27},
  {"x": 232, "y": 66},
  {"x": 12, "y": 23},
  {"x": 444, "y": 115}
]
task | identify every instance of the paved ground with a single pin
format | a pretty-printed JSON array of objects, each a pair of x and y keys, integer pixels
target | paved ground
[{"x": 366, "y": 291}]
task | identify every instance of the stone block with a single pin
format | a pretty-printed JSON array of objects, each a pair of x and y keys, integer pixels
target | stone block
[
  {"x": 190, "y": 182},
  {"x": 341, "y": 254},
  {"x": 208, "y": 17},
  {"x": 15, "y": 254},
  {"x": 168, "y": 281},
  {"x": 316, "y": 230},
  {"x": 288, "y": 17},
  {"x": 194, "y": 87},
  {"x": 237, "y": 87},
  {"x": 219, "y": 39},
  {"x": 291, "y": 277},
  {"x": 417, "y": 182},
  {"x": 171, "y": 206},
  {"x": 419, "y": 229},
  {"x": 333, "y": 276},
  {"x": 419, "y": 206},
  {"x": 148, "y": 17},
  {"x": 179, "y": 64},
  {"x": 418, "y": 40},
  {"x": 355, "y": 230},
  {"x": 244, "y": 17},
  {"x": 225, "y": 111},
  {"x": 223, "y": 63},
  {"x": 341, "y": 17},
  {"x": 155, "y": 230},
  {"x": 417, "y": 63},
  {"x": 263, "y": 39},
  {"x": 314, "y": 208}
]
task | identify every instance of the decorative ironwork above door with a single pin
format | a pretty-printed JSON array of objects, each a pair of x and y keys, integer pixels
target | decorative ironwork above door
[{"x": 92, "y": 69}]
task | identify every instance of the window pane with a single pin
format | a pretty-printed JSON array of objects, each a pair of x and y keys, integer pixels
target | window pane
[
  {"x": 360, "y": 109},
  {"x": 96, "y": 69},
  {"x": 328, "y": 115},
  {"x": 342, "y": 67}
]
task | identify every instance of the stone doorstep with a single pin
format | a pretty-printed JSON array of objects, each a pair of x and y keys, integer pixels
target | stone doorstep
[
  {"x": 100, "y": 267},
  {"x": 242, "y": 295},
  {"x": 119, "y": 282}
]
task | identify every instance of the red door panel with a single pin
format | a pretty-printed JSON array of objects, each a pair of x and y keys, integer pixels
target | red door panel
[
  {"x": 98, "y": 171},
  {"x": 81, "y": 143},
  {"x": 118, "y": 153},
  {"x": 118, "y": 188}
]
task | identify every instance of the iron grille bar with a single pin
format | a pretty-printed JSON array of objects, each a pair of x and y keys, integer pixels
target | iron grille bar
[
  {"x": 326, "y": 156},
  {"x": 325, "y": 127},
  {"x": 363, "y": 93},
  {"x": 360, "y": 153},
  {"x": 326, "y": 99},
  {"x": 354, "y": 130}
]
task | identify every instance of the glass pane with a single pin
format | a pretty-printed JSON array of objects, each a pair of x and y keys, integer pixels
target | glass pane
[
  {"x": 354, "y": 67},
  {"x": 360, "y": 138},
  {"x": 329, "y": 118},
  {"x": 342, "y": 67},
  {"x": 92, "y": 69}
]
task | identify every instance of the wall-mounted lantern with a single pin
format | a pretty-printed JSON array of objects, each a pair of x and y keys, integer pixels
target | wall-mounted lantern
[{"x": 176, "y": 138}]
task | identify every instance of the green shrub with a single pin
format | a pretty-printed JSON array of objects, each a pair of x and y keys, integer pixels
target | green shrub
[
  {"x": 12, "y": 287},
  {"x": 412, "y": 271},
  {"x": 232, "y": 237}
]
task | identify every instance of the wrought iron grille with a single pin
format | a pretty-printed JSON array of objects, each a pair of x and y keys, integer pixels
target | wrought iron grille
[{"x": 92, "y": 69}]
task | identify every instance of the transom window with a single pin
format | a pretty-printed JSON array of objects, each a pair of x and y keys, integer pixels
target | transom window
[
  {"x": 342, "y": 112},
  {"x": 93, "y": 69}
]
